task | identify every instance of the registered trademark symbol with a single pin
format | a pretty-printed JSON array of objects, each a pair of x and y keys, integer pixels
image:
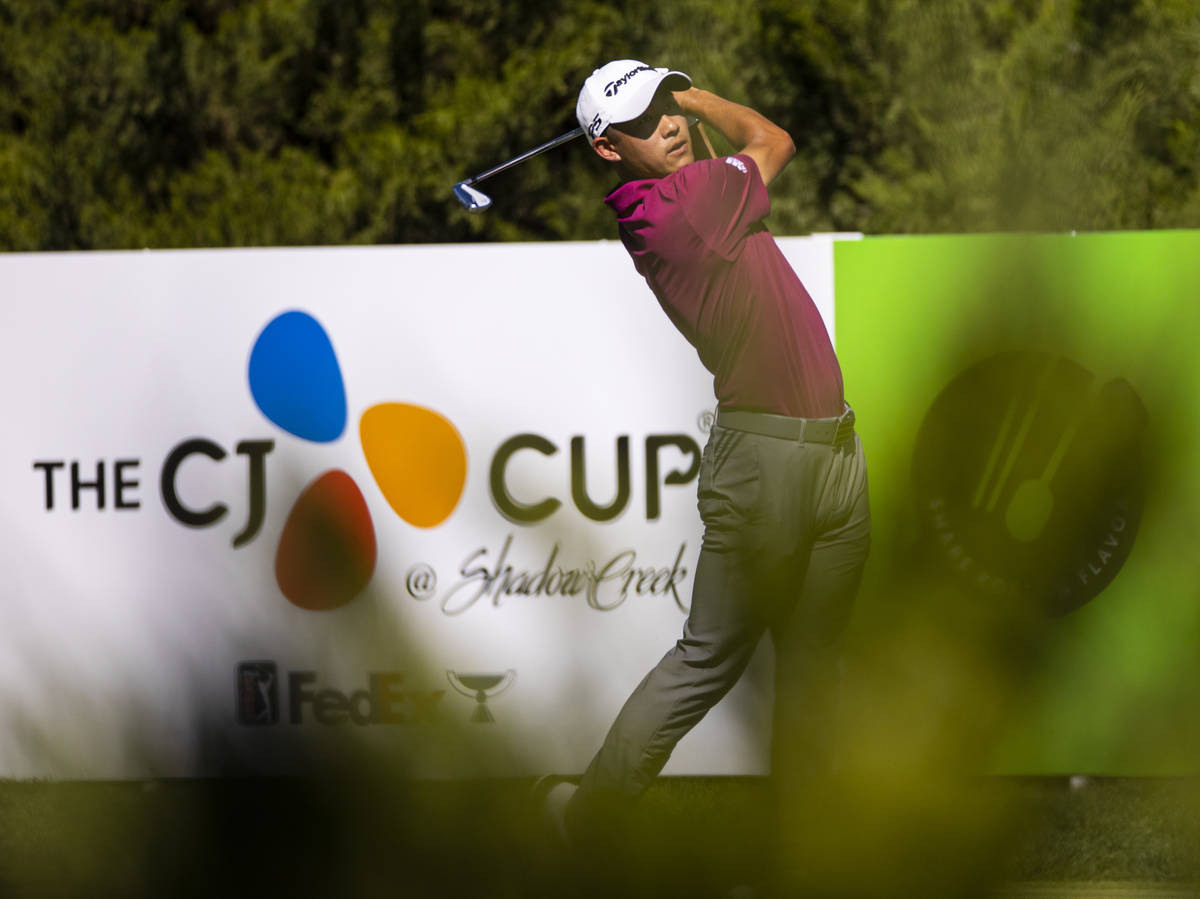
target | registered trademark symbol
[
  {"x": 421, "y": 581},
  {"x": 705, "y": 421}
]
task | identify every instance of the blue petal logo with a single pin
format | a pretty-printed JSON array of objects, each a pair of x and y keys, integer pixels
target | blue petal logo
[{"x": 295, "y": 378}]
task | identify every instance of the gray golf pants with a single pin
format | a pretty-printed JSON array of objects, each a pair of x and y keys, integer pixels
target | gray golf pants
[{"x": 786, "y": 534}]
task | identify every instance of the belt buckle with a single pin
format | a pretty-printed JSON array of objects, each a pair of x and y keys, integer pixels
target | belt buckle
[{"x": 845, "y": 428}]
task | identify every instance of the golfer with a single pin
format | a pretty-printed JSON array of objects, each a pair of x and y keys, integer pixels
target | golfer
[{"x": 783, "y": 482}]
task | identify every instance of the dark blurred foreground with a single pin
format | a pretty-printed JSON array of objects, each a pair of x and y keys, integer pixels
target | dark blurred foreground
[{"x": 362, "y": 837}]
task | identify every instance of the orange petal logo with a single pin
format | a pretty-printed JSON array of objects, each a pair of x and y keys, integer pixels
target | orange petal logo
[{"x": 418, "y": 460}]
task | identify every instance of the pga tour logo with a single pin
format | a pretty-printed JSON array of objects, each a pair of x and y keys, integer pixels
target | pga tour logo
[{"x": 257, "y": 693}]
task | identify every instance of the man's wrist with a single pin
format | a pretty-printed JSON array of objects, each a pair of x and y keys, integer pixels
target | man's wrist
[{"x": 691, "y": 100}]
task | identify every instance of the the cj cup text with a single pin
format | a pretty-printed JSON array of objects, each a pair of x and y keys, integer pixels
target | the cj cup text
[{"x": 116, "y": 484}]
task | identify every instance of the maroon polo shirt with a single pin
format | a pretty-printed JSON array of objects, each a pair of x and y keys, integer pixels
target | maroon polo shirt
[{"x": 698, "y": 239}]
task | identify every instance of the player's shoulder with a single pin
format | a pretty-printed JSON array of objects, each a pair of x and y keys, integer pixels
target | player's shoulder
[
  {"x": 740, "y": 161},
  {"x": 719, "y": 171}
]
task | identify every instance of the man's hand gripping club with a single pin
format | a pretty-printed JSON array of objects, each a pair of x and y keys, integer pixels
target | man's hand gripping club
[{"x": 759, "y": 138}]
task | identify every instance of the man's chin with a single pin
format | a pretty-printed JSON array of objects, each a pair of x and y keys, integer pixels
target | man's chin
[{"x": 686, "y": 159}]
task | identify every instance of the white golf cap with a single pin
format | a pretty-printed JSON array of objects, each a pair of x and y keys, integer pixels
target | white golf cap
[{"x": 621, "y": 90}]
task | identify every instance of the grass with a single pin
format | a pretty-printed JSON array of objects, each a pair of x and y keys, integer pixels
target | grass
[
  {"x": 367, "y": 837},
  {"x": 1112, "y": 830}
]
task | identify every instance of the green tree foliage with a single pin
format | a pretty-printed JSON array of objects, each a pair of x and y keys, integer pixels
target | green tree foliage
[{"x": 174, "y": 123}]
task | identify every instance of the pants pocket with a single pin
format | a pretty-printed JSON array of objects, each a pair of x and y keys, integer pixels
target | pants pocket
[
  {"x": 730, "y": 487},
  {"x": 844, "y": 485}
]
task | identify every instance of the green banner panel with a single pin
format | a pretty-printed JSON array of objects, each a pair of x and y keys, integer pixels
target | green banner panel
[{"x": 1030, "y": 407}]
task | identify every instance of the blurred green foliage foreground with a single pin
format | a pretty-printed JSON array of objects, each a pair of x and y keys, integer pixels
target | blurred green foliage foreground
[
  {"x": 357, "y": 837},
  {"x": 190, "y": 123}
]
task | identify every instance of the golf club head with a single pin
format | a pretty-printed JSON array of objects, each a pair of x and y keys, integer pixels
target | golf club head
[{"x": 472, "y": 199}]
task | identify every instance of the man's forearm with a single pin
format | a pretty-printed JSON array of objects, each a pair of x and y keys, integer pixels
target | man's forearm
[
  {"x": 740, "y": 124},
  {"x": 755, "y": 134}
]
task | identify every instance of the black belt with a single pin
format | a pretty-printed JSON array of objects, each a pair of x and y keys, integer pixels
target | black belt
[{"x": 828, "y": 431}]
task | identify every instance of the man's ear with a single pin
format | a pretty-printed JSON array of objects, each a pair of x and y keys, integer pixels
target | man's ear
[{"x": 605, "y": 150}]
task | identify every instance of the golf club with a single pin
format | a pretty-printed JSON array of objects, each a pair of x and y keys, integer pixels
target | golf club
[
  {"x": 474, "y": 200},
  {"x": 477, "y": 201}
]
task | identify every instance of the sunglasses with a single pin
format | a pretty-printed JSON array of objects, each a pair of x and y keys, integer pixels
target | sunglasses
[{"x": 645, "y": 124}]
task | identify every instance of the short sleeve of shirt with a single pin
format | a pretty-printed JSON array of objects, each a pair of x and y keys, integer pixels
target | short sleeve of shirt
[{"x": 723, "y": 199}]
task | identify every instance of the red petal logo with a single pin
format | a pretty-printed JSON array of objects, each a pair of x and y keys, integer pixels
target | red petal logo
[{"x": 327, "y": 549}]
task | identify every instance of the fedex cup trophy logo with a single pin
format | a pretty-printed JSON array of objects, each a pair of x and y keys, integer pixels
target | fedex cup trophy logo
[{"x": 481, "y": 687}]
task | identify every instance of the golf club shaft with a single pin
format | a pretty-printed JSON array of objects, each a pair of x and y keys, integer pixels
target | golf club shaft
[{"x": 528, "y": 154}]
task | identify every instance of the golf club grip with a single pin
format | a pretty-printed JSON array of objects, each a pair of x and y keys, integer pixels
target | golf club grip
[
  {"x": 712, "y": 154},
  {"x": 528, "y": 154}
]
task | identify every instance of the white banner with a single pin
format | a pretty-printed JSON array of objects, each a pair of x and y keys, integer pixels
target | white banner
[{"x": 499, "y": 442}]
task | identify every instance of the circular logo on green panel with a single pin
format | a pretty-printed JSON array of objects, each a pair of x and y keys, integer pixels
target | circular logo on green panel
[{"x": 1028, "y": 473}]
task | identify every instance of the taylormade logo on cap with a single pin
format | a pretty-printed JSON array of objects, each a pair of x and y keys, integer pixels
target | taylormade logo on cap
[
  {"x": 620, "y": 91},
  {"x": 610, "y": 89}
]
